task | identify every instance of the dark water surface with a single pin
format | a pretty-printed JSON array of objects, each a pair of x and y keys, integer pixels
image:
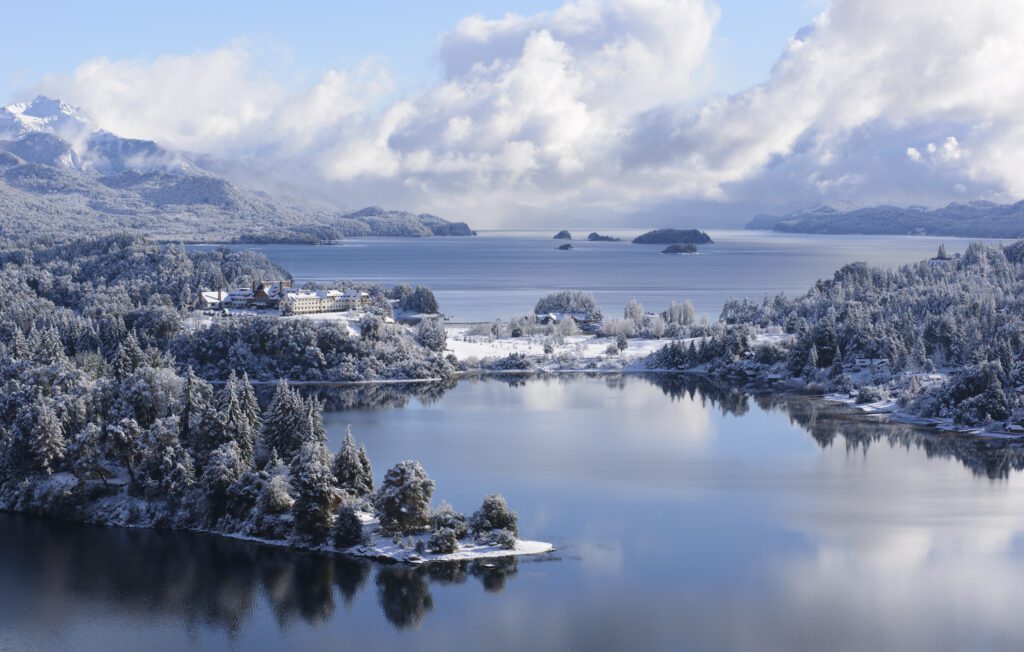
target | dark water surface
[
  {"x": 686, "y": 517},
  {"x": 503, "y": 273}
]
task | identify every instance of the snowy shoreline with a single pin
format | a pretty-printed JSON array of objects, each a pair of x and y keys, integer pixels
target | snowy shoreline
[
  {"x": 125, "y": 511},
  {"x": 381, "y": 547}
]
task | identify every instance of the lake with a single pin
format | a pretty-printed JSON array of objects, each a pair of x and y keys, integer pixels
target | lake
[
  {"x": 503, "y": 273},
  {"x": 686, "y": 516}
]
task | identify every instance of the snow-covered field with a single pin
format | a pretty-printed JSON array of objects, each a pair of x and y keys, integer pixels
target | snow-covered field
[
  {"x": 584, "y": 348},
  {"x": 578, "y": 352}
]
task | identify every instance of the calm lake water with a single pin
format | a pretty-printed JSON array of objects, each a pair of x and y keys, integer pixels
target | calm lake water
[
  {"x": 503, "y": 273},
  {"x": 686, "y": 517}
]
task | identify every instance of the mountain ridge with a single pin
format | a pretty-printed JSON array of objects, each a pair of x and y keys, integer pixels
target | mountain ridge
[
  {"x": 967, "y": 219},
  {"x": 61, "y": 176}
]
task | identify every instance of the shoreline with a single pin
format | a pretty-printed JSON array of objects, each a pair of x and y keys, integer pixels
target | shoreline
[{"x": 883, "y": 409}]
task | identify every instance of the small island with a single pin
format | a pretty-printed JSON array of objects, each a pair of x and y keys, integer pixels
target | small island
[
  {"x": 597, "y": 237},
  {"x": 565, "y": 247},
  {"x": 563, "y": 235},
  {"x": 673, "y": 236},
  {"x": 688, "y": 248}
]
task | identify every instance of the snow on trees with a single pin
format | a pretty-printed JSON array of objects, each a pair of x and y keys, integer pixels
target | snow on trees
[
  {"x": 166, "y": 467},
  {"x": 351, "y": 468},
  {"x": 431, "y": 334},
  {"x": 403, "y": 500},
  {"x": 281, "y": 421},
  {"x": 46, "y": 438},
  {"x": 223, "y": 468},
  {"x": 570, "y": 302},
  {"x": 493, "y": 515},
  {"x": 313, "y": 482},
  {"x": 348, "y": 529},
  {"x": 446, "y": 518}
]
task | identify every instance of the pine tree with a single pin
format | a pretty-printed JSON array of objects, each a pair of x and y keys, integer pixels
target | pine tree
[
  {"x": 166, "y": 465},
  {"x": 348, "y": 529},
  {"x": 125, "y": 439},
  {"x": 234, "y": 424},
  {"x": 85, "y": 453},
  {"x": 48, "y": 349},
  {"x": 811, "y": 368},
  {"x": 128, "y": 358},
  {"x": 315, "y": 419},
  {"x": 224, "y": 467},
  {"x": 349, "y": 470},
  {"x": 21, "y": 349},
  {"x": 283, "y": 419},
  {"x": 193, "y": 407},
  {"x": 250, "y": 404},
  {"x": 46, "y": 440},
  {"x": 364, "y": 461},
  {"x": 314, "y": 485},
  {"x": 403, "y": 501},
  {"x": 919, "y": 357}
]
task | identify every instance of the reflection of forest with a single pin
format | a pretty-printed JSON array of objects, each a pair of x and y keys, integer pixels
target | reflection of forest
[
  {"x": 336, "y": 398},
  {"x": 823, "y": 420},
  {"x": 215, "y": 582}
]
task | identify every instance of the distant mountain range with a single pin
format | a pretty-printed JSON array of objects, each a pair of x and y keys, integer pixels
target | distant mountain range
[
  {"x": 60, "y": 175},
  {"x": 975, "y": 219}
]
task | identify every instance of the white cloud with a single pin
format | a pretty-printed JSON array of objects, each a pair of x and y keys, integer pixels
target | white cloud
[{"x": 598, "y": 105}]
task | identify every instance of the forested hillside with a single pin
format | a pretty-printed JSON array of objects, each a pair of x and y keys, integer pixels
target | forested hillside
[{"x": 944, "y": 337}]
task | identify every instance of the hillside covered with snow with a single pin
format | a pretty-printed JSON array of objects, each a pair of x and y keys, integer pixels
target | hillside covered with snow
[{"x": 61, "y": 175}]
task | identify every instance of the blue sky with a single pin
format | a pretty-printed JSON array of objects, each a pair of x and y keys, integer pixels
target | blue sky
[{"x": 302, "y": 38}]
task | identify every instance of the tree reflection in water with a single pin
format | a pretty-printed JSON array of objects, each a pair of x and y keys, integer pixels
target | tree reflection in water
[
  {"x": 823, "y": 420},
  {"x": 215, "y": 582}
]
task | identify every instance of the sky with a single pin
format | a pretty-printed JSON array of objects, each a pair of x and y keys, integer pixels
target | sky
[{"x": 539, "y": 111}]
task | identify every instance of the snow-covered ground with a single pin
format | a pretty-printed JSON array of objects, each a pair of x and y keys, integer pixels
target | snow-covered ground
[
  {"x": 585, "y": 348},
  {"x": 381, "y": 545},
  {"x": 583, "y": 352},
  {"x": 124, "y": 510}
]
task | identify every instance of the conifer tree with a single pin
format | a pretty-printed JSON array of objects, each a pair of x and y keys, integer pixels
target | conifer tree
[
  {"x": 282, "y": 420},
  {"x": 234, "y": 424},
  {"x": 21, "y": 349},
  {"x": 349, "y": 470},
  {"x": 224, "y": 467},
  {"x": 403, "y": 501},
  {"x": 314, "y": 486},
  {"x": 249, "y": 403},
  {"x": 46, "y": 440},
  {"x": 47, "y": 349},
  {"x": 193, "y": 407},
  {"x": 364, "y": 461}
]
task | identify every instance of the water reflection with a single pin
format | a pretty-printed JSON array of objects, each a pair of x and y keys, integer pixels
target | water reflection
[
  {"x": 214, "y": 582},
  {"x": 823, "y": 421},
  {"x": 688, "y": 524},
  {"x": 993, "y": 458}
]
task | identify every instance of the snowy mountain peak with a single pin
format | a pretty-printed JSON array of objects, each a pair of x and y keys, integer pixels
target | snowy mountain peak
[{"x": 42, "y": 115}]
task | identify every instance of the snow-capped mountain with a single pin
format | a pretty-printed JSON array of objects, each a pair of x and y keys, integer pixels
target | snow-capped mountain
[
  {"x": 43, "y": 115},
  {"x": 61, "y": 175},
  {"x": 51, "y": 132}
]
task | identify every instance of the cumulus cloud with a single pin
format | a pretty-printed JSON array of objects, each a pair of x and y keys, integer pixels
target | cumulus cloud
[{"x": 599, "y": 105}]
